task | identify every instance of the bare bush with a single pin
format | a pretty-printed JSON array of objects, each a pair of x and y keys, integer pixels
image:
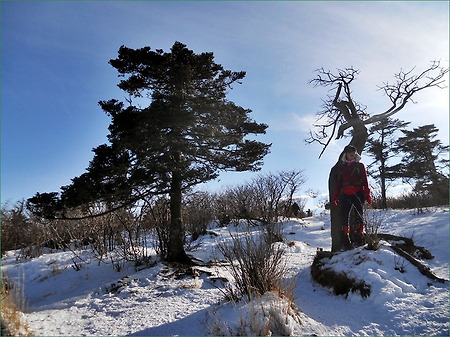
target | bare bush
[
  {"x": 256, "y": 264},
  {"x": 274, "y": 193},
  {"x": 264, "y": 199},
  {"x": 19, "y": 230},
  {"x": 156, "y": 216},
  {"x": 198, "y": 212},
  {"x": 269, "y": 190},
  {"x": 244, "y": 201},
  {"x": 223, "y": 207},
  {"x": 415, "y": 200},
  {"x": 132, "y": 240},
  {"x": 295, "y": 208},
  {"x": 116, "y": 236}
]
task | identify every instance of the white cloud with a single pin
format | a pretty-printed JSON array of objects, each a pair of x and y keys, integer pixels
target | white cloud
[{"x": 293, "y": 122}]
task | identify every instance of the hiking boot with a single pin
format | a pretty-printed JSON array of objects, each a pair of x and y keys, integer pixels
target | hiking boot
[
  {"x": 359, "y": 229},
  {"x": 358, "y": 240},
  {"x": 346, "y": 243}
]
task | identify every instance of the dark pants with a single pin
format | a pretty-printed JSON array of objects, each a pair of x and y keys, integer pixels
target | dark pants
[
  {"x": 353, "y": 202},
  {"x": 348, "y": 202}
]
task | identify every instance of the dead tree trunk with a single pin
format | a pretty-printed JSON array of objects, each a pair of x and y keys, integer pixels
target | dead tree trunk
[{"x": 358, "y": 141}]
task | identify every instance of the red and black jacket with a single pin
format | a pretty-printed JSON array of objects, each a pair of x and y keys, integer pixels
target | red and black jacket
[{"x": 352, "y": 179}]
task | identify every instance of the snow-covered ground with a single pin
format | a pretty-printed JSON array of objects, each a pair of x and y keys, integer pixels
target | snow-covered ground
[{"x": 153, "y": 301}]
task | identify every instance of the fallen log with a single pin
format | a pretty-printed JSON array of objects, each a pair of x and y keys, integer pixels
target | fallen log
[
  {"x": 424, "y": 270},
  {"x": 407, "y": 244}
]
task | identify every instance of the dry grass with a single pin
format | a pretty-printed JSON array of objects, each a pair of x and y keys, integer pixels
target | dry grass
[
  {"x": 12, "y": 306},
  {"x": 256, "y": 264},
  {"x": 271, "y": 314}
]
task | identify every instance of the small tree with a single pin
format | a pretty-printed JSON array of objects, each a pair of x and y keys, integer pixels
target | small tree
[
  {"x": 381, "y": 147},
  {"x": 420, "y": 164}
]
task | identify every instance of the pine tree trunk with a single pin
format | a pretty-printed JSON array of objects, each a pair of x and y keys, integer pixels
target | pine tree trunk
[{"x": 175, "y": 249}]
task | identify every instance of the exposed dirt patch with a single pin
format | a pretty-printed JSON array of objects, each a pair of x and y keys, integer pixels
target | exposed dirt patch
[{"x": 339, "y": 281}]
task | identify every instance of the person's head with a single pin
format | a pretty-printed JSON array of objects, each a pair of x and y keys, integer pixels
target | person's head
[{"x": 350, "y": 154}]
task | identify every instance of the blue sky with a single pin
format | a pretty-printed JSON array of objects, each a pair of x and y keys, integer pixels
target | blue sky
[{"x": 54, "y": 70}]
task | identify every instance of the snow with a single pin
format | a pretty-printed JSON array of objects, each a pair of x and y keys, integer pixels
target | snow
[{"x": 62, "y": 301}]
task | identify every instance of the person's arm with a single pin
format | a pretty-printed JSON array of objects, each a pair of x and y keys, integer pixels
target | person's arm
[
  {"x": 335, "y": 200},
  {"x": 365, "y": 183}
]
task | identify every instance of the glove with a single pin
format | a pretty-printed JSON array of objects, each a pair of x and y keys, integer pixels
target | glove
[
  {"x": 335, "y": 198},
  {"x": 368, "y": 197}
]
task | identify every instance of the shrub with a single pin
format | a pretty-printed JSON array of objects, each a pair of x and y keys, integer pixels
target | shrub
[
  {"x": 198, "y": 212},
  {"x": 256, "y": 263},
  {"x": 262, "y": 200},
  {"x": 414, "y": 200},
  {"x": 17, "y": 228},
  {"x": 156, "y": 216}
]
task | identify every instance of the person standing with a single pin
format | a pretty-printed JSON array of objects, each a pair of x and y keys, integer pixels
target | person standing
[{"x": 352, "y": 190}]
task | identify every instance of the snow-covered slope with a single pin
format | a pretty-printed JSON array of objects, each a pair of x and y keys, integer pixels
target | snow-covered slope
[{"x": 153, "y": 301}]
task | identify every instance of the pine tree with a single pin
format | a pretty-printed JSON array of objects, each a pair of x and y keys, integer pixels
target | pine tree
[
  {"x": 380, "y": 146},
  {"x": 420, "y": 164},
  {"x": 178, "y": 130}
]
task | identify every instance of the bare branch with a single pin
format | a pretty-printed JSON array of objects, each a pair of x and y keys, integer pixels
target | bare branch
[
  {"x": 341, "y": 112},
  {"x": 407, "y": 85}
]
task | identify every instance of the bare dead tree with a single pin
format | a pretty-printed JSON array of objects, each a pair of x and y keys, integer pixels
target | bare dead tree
[{"x": 340, "y": 112}]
